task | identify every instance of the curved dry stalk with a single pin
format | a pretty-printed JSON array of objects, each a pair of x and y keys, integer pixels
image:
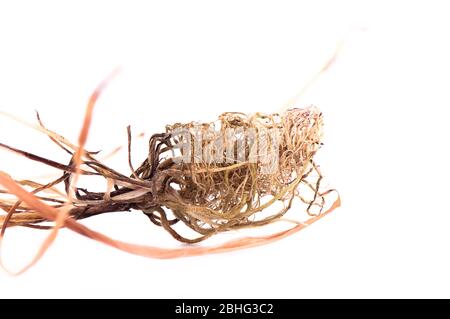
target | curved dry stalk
[{"x": 150, "y": 251}]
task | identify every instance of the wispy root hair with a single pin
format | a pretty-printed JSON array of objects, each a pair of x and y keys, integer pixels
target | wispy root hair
[{"x": 207, "y": 196}]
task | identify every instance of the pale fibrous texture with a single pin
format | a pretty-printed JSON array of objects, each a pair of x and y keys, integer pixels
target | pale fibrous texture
[
  {"x": 238, "y": 171},
  {"x": 229, "y": 193}
]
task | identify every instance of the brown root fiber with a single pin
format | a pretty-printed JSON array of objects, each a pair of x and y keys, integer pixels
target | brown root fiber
[{"x": 229, "y": 184}]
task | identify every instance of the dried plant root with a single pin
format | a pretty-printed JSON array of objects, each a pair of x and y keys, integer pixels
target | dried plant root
[{"x": 227, "y": 186}]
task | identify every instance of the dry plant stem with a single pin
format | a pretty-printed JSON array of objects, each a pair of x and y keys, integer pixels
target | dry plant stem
[
  {"x": 325, "y": 67},
  {"x": 63, "y": 212}
]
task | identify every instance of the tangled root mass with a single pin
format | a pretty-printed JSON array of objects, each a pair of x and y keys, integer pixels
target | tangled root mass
[{"x": 212, "y": 177}]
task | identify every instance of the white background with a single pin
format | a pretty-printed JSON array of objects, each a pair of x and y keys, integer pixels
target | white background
[{"x": 385, "y": 103}]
